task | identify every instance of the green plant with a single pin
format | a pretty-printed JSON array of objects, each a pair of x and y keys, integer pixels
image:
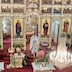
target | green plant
[
  {"x": 13, "y": 61},
  {"x": 44, "y": 59},
  {"x": 24, "y": 63},
  {"x": 0, "y": 46}
]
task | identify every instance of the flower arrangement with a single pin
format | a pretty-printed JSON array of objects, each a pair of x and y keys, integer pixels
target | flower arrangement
[
  {"x": 42, "y": 59},
  {"x": 20, "y": 45},
  {"x": 13, "y": 61}
]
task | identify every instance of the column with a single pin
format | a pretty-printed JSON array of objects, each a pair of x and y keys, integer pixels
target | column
[
  {"x": 0, "y": 1},
  {"x": 0, "y": 10},
  {"x": 11, "y": 9},
  {"x": 12, "y": 1},
  {"x": 39, "y": 26},
  {"x": 1, "y": 34},
  {"x": 53, "y": 2},
  {"x": 25, "y": 7},
  {"x": 71, "y": 27},
  {"x": 40, "y": 6},
  {"x": 71, "y": 2},
  {"x": 62, "y": 10},
  {"x": 24, "y": 35},
  {"x": 64, "y": 2},
  {"x": 52, "y": 10},
  {"x": 12, "y": 32}
]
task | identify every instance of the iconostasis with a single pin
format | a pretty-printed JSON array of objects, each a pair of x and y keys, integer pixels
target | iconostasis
[{"x": 19, "y": 19}]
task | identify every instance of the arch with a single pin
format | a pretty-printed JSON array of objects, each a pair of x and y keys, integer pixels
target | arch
[
  {"x": 8, "y": 28},
  {"x": 55, "y": 29},
  {"x": 9, "y": 20},
  {"x": 55, "y": 21}
]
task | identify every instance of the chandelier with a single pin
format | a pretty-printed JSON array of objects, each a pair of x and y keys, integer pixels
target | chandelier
[{"x": 61, "y": 58}]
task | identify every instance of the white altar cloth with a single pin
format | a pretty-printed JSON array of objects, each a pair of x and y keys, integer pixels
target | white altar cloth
[
  {"x": 19, "y": 59},
  {"x": 1, "y": 66},
  {"x": 38, "y": 68}
]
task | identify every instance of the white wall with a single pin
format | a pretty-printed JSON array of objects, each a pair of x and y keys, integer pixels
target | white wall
[{"x": 8, "y": 27}]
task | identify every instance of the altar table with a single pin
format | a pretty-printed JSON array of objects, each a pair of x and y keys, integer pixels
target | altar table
[
  {"x": 19, "y": 59},
  {"x": 37, "y": 67}
]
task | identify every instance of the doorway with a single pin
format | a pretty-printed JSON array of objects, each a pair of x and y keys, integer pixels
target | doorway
[
  {"x": 55, "y": 30},
  {"x": 32, "y": 22},
  {"x": 6, "y": 31}
]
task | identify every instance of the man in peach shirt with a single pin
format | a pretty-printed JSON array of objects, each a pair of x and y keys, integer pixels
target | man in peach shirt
[{"x": 40, "y": 53}]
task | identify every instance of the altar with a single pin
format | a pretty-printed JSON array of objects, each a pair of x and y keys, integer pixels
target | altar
[
  {"x": 38, "y": 68},
  {"x": 19, "y": 59}
]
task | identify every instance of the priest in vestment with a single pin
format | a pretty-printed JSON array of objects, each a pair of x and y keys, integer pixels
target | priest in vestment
[{"x": 34, "y": 45}]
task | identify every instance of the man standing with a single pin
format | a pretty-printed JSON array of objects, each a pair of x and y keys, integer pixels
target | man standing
[
  {"x": 18, "y": 28},
  {"x": 45, "y": 27},
  {"x": 34, "y": 45}
]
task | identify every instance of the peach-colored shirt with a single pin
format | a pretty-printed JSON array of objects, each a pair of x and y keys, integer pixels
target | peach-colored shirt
[{"x": 40, "y": 54}]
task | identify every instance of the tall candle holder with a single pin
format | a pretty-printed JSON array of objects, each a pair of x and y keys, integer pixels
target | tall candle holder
[{"x": 11, "y": 51}]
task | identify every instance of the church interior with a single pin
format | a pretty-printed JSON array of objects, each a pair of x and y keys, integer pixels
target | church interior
[{"x": 36, "y": 35}]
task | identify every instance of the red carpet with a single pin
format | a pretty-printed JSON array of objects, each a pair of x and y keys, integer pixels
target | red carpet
[{"x": 26, "y": 68}]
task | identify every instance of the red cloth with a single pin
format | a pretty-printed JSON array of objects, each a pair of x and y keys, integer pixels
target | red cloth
[{"x": 44, "y": 32}]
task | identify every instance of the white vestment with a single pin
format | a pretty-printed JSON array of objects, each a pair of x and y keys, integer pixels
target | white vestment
[{"x": 34, "y": 45}]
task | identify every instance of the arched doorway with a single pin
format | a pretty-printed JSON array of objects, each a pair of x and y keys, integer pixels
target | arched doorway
[
  {"x": 32, "y": 22},
  {"x": 6, "y": 32},
  {"x": 55, "y": 29}
]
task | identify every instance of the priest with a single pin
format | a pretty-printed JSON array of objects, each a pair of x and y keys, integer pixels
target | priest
[{"x": 34, "y": 45}]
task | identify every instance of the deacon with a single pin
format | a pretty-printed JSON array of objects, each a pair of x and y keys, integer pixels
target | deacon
[{"x": 34, "y": 45}]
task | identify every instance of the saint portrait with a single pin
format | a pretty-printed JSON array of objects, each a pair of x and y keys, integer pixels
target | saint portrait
[
  {"x": 45, "y": 27},
  {"x": 6, "y": 9},
  {"x": 18, "y": 1},
  {"x": 57, "y": 10},
  {"x": 46, "y": 9},
  {"x": 46, "y": 1},
  {"x": 5, "y": 1},
  {"x": 18, "y": 9},
  {"x": 18, "y": 28},
  {"x": 67, "y": 10},
  {"x": 58, "y": 1},
  {"x": 66, "y": 25}
]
